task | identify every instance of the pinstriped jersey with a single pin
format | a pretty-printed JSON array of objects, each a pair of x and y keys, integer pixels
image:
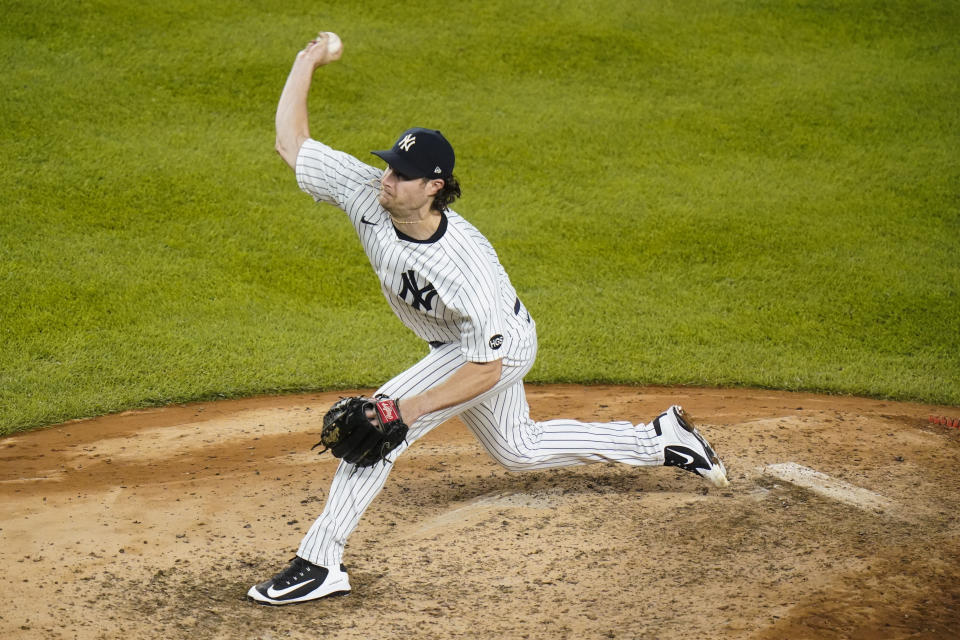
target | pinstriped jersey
[{"x": 450, "y": 288}]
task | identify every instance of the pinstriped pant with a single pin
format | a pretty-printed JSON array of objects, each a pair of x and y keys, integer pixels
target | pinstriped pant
[{"x": 500, "y": 419}]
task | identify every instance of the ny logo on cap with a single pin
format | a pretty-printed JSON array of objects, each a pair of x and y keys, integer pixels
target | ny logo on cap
[{"x": 407, "y": 142}]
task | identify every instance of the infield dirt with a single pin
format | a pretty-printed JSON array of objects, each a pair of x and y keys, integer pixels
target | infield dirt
[{"x": 153, "y": 524}]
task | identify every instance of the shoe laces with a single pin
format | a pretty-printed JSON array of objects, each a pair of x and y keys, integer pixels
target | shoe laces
[{"x": 297, "y": 566}]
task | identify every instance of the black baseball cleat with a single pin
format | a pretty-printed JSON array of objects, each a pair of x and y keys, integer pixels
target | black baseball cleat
[
  {"x": 684, "y": 447},
  {"x": 300, "y": 582}
]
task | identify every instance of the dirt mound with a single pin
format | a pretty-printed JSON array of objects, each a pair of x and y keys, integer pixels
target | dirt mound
[{"x": 841, "y": 522}]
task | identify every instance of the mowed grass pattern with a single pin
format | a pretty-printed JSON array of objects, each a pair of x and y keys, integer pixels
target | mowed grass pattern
[{"x": 697, "y": 193}]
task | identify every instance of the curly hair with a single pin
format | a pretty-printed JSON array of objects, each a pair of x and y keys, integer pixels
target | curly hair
[{"x": 446, "y": 195}]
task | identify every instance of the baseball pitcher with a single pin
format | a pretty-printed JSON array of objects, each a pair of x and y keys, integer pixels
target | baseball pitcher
[{"x": 443, "y": 280}]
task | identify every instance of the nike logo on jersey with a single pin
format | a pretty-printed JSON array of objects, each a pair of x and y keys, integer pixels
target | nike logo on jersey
[
  {"x": 364, "y": 220},
  {"x": 279, "y": 593},
  {"x": 419, "y": 298}
]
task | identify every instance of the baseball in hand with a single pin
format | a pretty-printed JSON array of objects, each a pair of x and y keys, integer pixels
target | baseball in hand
[{"x": 334, "y": 45}]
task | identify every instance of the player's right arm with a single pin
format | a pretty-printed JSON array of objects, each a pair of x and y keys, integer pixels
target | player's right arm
[{"x": 293, "y": 127}]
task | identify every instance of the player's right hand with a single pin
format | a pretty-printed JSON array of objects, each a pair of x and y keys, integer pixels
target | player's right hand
[{"x": 318, "y": 51}]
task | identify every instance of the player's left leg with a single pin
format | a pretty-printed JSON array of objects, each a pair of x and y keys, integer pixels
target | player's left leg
[
  {"x": 316, "y": 571},
  {"x": 353, "y": 488}
]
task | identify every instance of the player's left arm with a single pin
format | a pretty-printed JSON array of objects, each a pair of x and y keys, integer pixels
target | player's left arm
[{"x": 466, "y": 383}]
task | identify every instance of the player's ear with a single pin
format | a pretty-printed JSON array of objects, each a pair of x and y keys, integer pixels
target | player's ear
[{"x": 434, "y": 186}]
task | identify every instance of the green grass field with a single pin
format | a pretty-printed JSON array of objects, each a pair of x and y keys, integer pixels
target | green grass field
[{"x": 693, "y": 192}]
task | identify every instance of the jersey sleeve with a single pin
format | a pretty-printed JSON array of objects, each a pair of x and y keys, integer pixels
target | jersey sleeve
[
  {"x": 332, "y": 176},
  {"x": 481, "y": 324}
]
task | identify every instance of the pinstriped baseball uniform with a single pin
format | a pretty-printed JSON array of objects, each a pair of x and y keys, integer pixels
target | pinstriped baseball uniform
[{"x": 452, "y": 292}]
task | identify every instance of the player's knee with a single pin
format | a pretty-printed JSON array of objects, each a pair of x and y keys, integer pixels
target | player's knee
[{"x": 514, "y": 464}]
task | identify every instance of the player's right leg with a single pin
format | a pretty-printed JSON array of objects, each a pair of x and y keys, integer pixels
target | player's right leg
[
  {"x": 503, "y": 425},
  {"x": 684, "y": 447}
]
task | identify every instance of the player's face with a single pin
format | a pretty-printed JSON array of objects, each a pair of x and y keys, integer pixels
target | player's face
[{"x": 401, "y": 193}]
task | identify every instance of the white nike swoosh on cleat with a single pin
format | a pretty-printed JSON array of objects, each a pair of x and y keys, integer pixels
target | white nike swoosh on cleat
[{"x": 279, "y": 593}]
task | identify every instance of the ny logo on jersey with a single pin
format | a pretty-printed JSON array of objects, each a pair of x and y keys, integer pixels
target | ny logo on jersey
[
  {"x": 407, "y": 142},
  {"x": 421, "y": 297}
]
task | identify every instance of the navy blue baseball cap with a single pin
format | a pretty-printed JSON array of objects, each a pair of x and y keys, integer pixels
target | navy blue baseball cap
[{"x": 420, "y": 153}]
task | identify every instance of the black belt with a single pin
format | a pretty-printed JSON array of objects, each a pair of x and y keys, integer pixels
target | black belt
[
  {"x": 436, "y": 344},
  {"x": 516, "y": 309}
]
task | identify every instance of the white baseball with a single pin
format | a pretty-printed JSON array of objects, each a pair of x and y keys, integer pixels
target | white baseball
[{"x": 334, "y": 45}]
